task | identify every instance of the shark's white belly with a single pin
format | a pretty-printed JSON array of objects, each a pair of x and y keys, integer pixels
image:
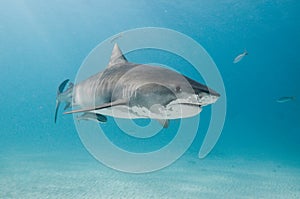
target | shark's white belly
[{"x": 172, "y": 111}]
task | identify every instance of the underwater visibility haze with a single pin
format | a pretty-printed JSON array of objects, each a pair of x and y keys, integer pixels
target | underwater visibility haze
[{"x": 254, "y": 47}]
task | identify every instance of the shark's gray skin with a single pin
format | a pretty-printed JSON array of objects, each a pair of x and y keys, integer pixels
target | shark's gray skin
[{"x": 130, "y": 90}]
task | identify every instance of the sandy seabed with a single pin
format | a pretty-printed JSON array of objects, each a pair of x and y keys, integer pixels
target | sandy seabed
[{"x": 54, "y": 176}]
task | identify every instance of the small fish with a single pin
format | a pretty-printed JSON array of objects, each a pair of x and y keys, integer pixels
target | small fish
[
  {"x": 240, "y": 57},
  {"x": 92, "y": 116},
  {"x": 286, "y": 99}
]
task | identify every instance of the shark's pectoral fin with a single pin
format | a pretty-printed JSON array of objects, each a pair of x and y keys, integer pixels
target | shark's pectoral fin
[
  {"x": 164, "y": 122},
  {"x": 101, "y": 118},
  {"x": 93, "y": 117},
  {"x": 106, "y": 105},
  {"x": 159, "y": 109}
]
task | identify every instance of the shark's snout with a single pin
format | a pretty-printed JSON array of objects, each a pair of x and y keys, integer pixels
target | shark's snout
[
  {"x": 213, "y": 93},
  {"x": 207, "y": 96},
  {"x": 200, "y": 88},
  {"x": 203, "y": 93}
]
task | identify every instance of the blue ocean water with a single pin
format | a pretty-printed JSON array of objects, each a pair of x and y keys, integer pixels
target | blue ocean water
[{"x": 43, "y": 43}]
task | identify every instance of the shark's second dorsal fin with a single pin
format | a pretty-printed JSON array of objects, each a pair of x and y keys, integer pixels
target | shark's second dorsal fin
[{"x": 116, "y": 57}]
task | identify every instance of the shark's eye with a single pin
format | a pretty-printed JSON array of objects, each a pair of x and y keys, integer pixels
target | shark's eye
[{"x": 178, "y": 89}]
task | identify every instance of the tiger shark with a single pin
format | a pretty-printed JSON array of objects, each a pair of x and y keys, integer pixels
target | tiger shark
[{"x": 131, "y": 90}]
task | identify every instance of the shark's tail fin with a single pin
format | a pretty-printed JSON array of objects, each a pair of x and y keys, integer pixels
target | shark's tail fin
[{"x": 62, "y": 96}]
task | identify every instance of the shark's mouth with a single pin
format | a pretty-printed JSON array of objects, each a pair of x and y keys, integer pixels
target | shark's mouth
[
  {"x": 196, "y": 100},
  {"x": 207, "y": 99},
  {"x": 171, "y": 111}
]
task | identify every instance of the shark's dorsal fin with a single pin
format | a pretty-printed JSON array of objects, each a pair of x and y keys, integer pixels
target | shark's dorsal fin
[{"x": 116, "y": 57}]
